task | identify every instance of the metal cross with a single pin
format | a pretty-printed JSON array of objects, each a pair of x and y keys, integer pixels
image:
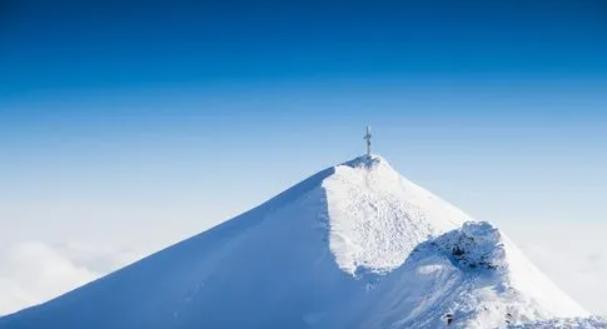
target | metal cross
[{"x": 368, "y": 138}]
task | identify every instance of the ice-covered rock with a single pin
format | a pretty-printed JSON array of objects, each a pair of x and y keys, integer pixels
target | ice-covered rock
[{"x": 475, "y": 245}]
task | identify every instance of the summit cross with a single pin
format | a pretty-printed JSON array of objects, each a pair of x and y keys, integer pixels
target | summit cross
[{"x": 368, "y": 139}]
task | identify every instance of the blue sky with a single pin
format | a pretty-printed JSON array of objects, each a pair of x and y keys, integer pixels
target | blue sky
[
  {"x": 117, "y": 117},
  {"x": 118, "y": 44}
]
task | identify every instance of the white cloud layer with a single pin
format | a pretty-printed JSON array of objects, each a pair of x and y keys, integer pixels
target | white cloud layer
[
  {"x": 573, "y": 255},
  {"x": 33, "y": 272}
]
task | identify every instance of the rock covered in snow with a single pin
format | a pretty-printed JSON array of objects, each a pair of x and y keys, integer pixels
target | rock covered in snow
[{"x": 475, "y": 245}]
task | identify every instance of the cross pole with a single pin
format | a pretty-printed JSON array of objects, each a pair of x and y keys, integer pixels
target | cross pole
[{"x": 368, "y": 138}]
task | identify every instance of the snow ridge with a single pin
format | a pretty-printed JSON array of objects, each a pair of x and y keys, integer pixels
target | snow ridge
[
  {"x": 465, "y": 278},
  {"x": 486, "y": 292}
]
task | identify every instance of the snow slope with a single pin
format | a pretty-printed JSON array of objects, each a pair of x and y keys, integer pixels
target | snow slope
[
  {"x": 354, "y": 246},
  {"x": 565, "y": 323}
]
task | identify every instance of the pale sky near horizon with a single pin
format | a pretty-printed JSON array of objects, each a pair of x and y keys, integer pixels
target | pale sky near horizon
[{"x": 126, "y": 129}]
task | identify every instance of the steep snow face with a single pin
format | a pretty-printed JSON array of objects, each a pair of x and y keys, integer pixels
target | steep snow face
[
  {"x": 377, "y": 217},
  {"x": 268, "y": 266}
]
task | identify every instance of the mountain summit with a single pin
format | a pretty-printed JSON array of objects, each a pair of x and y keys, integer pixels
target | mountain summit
[
  {"x": 353, "y": 246},
  {"x": 376, "y": 217}
]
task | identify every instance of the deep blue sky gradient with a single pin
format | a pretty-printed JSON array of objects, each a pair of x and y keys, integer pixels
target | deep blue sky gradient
[{"x": 499, "y": 106}]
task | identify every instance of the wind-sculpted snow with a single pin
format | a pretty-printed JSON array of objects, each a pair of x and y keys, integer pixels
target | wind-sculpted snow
[
  {"x": 354, "y": 246},
  {"x": 378, "y": 217}
]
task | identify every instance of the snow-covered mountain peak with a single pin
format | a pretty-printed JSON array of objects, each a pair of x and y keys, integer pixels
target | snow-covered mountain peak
[{"x": 354, "y": 246}]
